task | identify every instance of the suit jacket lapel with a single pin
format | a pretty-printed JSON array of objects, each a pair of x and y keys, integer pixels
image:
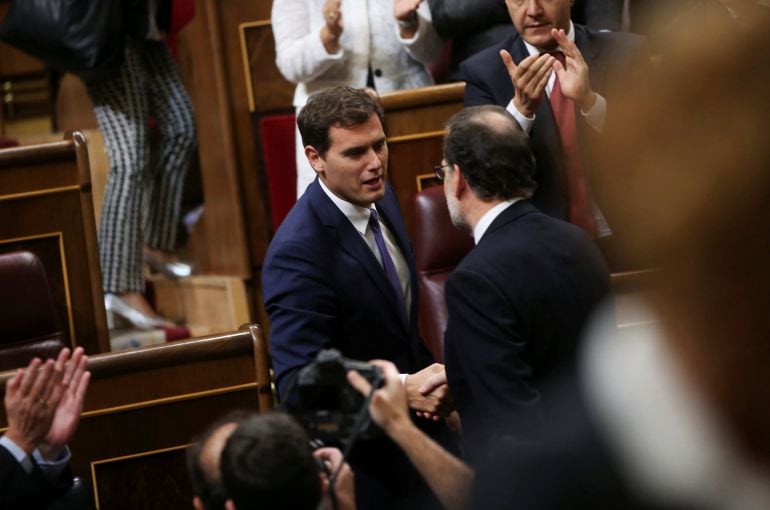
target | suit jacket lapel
[{"x": 349, "y": 239}]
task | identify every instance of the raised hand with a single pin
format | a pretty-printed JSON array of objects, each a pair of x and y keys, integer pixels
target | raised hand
[
  {"x": 529, "y": 79},
  {"x": 67, "y": 413},
  {"x": 31, "y": 398},
  {"x": 332, "y": 11},
  {"x": 405, "y": 10},
  {"x": 573, "y": 76}
]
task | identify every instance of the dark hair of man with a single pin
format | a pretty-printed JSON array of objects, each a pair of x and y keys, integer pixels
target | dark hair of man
[
  {"x": 208, "y": 486},
  {"x": 492, "y": 152},
  {"x": 339, "y": 107},
  {"x": 267, "y": 463}
]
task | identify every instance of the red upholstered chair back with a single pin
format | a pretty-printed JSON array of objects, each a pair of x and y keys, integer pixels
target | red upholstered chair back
[
  {"x": 277, "y": 136},
  {"x": 438, "y": 247},
  {"x": 29, "y": 326}
]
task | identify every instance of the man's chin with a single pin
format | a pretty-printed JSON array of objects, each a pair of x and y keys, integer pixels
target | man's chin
[{"x": 541, "y": 39}]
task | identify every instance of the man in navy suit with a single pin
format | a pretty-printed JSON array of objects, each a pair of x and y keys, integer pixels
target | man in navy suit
[
  {"x": 517, "y": 303},
  {"x": 525, "y": 73},
  {"x": 340, "y": 273}
]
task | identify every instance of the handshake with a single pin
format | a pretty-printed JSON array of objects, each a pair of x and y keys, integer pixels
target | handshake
[{"x": 426, "y": 392}]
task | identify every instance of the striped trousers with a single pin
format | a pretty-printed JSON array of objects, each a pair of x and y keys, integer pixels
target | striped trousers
[{"x": 143, "y": 196}]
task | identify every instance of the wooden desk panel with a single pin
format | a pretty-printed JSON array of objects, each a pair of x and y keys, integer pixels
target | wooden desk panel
[
  {"x": 145, "y": 406},
  {"x": 46, "y": 207}
]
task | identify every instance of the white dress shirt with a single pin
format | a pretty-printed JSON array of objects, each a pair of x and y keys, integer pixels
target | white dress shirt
[{"x": 359, "y": 218}]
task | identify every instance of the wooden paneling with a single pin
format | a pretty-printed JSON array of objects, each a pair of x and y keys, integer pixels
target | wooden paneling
[
  {"x": 414, "y": 123},
  {"x": 268, "y": 91},
  {"x": 234, "y": 226},
  {"x": 46, "y": 207},
  {"x": 144, "y": 406},
  {"x": 417, "y": 111},
  {"x": 411, "y": 158},
  {"x": 156, "y": 477}
]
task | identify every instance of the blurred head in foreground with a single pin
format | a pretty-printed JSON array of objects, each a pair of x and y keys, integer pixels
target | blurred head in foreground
[{"x": 687, "y": 175}]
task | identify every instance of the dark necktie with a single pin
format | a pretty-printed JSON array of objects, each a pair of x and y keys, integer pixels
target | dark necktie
[
  {"x": 387, "y": 261},
  {"x": 578, "y": 197}
]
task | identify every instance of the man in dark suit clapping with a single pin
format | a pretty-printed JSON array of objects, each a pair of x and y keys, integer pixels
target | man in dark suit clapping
[{"x": 553, "y": 76}]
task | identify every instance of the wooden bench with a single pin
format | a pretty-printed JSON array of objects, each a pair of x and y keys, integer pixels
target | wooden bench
[
  {"x": 46, "y": 208},
  {"x": 144, "y": 407}
]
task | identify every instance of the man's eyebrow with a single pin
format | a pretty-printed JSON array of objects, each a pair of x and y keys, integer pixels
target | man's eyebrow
[
  {"x": 360, "y": 148},
  {"x": 354, "y": 150}
]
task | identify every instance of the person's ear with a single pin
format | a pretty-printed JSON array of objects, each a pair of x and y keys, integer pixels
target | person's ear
[
  {"x": 315, "y": 159},
  {"x": 229, "y": 505},
  {"x": 197, "y": 503},
  {"x": 458, "y": 182}
]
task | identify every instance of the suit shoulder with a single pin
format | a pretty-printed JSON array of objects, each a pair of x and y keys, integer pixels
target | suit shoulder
[
  {"x": 483, "y": 60},
  {"x": 302, "y": 226},
  {"x": 619, "y": 42}
]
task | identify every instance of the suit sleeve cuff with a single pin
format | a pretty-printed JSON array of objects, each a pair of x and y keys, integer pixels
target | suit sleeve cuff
[{"x": 18, "y": 454}]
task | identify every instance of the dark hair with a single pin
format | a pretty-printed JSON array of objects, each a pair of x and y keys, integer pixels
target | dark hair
[
  {"x": 208, "y": 486},
  {"x": 267, "y": 463},
  {"x": 492, "y": 151},
  {"x": 337, "y": 106}
]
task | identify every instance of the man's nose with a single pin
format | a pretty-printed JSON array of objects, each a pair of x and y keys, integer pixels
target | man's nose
[
  {"x": 534, "y": 8},
  {"x": 372, "y": 159}
]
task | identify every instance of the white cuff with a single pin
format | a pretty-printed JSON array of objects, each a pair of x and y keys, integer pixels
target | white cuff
[
  {"x": 52, "y": 468},
  {"x": 411, "y": 40},
  {"x": 597, "y": 114},
  {"x": 524, "y": 122}
]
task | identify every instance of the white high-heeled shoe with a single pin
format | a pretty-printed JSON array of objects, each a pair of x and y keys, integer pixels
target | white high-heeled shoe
[
  {"x": 121, "y": 314},
  {"x": 172, "y": 269}
]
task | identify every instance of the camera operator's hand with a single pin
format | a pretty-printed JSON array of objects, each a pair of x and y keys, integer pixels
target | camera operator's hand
[
  {"x": 344, "y": 487},
  {"x": 448, "y": 477},
  {"x": 388, "y": 407},
  {"x": 428, "y": 392}
]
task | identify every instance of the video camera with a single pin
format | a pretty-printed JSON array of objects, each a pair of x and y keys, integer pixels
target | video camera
[{"x": 327, "y": 404}]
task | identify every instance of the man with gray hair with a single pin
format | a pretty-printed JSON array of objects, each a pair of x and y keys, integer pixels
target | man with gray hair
[{"x": 518, "y": 301}]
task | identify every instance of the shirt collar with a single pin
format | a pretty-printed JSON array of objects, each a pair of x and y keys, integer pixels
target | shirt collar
[
  {"x": 532, "y": 50},
  {"x": 489, "y": 217},
  {"x": 358, "y": 216}
]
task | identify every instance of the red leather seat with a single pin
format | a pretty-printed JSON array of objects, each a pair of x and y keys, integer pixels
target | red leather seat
[
  {"x": 29, "y": 326},
  {"x": 278, "y": 153},
  {"x": 439, "y": 246}
]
